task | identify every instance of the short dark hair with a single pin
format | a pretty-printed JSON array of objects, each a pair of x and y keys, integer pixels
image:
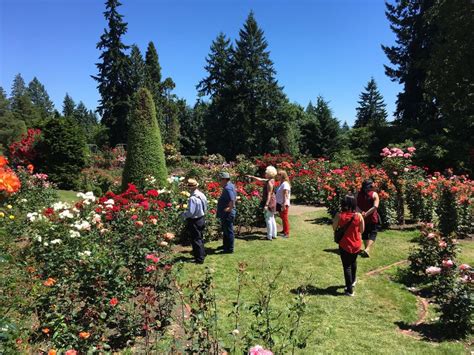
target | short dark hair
[
  {"x": 349, "y": 203},
  {"x": 367, "y": 184}
]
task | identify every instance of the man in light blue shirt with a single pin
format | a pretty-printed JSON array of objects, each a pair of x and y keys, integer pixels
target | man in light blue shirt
[{"x": 195, "y": 218}]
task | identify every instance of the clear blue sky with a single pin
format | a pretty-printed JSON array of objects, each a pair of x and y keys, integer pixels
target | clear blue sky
[{"x": 319, "y": 47}]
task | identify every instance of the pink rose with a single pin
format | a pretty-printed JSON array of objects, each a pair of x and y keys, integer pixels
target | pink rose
[
  {"x": 442, "y": 244},
  {"x": 431, "y": 236},
  {"x": 430, "y": 225},
  {"x": 259, "y": 350},
  {"x": 71, "y": 352},
  {"x": 150, "y": 268},
  {"x": 433, "y": 270},
  {"x": 411, "y": 149},
  {"x": 407, "y": 155},
  {"x": 447, "y": 263},
  {"x": 134, "y": 217},
  {"x": 153, "y": 221}
]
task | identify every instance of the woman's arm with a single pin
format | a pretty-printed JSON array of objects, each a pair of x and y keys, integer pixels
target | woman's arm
[
  {"x": 376, "y": 205},
  {"x": 335, "y": 221},
  {"x": 256, "y": 178},
  {"x": 361, "y": 223}
]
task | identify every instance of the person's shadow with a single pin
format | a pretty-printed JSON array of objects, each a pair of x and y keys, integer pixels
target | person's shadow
[{"x": 318, "y": 291}]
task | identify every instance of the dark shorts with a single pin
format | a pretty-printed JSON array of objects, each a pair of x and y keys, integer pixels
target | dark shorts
[{"x": 370, "y": 232}]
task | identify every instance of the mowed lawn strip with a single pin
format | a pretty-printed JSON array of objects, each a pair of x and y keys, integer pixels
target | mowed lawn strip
[{"x": 366, "y": 323}]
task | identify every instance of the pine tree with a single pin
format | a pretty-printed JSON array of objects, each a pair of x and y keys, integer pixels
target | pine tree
[
  {"x": 257, "y": 98},
  {"x": 144, "y": 148},
  {"x": 69, "y": 106},
  {"x": 137, "y": 69},
  {"x": 18, "y": 90},
  {"x": 371, "y": 110},
  {"x": 40, "y": 98},
  {"x": 217, "y": 86},
  {"x": 409, "y": 57},
  {"x": 324, "y": 130},
  {"x": 113, "y": 77},
  {"x": 11, "y": 129},
  {"x": 310, "y": 132},
  {"x": 85, "y": 119},
  {"x": 192, "y": 137}
]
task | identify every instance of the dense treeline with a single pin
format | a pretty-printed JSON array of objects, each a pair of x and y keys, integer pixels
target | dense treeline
[{"x": 242, "y": 109}]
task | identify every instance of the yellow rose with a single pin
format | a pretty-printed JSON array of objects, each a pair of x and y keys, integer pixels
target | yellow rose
[
  {"x": 12, "y": 217},
  {"x": 2, "y": 214},
  {"x": 132, "y": 209},
  {"x": 185, "y": 206},
  {"x": 9, "y": 207}
]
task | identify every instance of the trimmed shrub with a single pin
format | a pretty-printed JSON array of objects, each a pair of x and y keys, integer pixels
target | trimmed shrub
[
  {"x": 62, "y": 152},
  {"x": 145, "y": 155}
]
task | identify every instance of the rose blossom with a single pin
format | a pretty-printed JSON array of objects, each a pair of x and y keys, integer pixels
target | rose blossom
[
  {"x": 139, "y": 223},
  {"x": 152, "y": 257},
  {"x": 71, "y": 352},
  {"x": 113, "y": 302},
  {"x": 431, "y": 236},
  {"x": 433, "y": 270},
  {"x": 464, "y": 267},
  {"x": 443, "y": 244},
  {"x": 150, "y": 268},
  {"x": 168, "y": 236},
  {"x": 447, "y": 263},
  {"x": 163, "y": 243}
]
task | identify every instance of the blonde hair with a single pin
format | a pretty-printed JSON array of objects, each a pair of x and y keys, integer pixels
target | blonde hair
[
  {"x": 271, "y": 171},
  {"x": 284, "y": 174}
]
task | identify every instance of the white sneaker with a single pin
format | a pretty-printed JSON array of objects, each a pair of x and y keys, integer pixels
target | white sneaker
[
  {"x": 354, "y": 283},
  {"x": 349, "y": 294}
]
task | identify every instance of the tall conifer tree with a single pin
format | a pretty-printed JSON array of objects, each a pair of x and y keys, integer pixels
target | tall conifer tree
[
  {"x": 371, "y": 110},
  {"x": 113, "y": 77},
  {"x": 69, "y": 106},
  {"x": 40, "y": 98}
]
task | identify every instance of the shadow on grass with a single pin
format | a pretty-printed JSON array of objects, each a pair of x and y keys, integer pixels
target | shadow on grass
[
  {"x": 320, "y": 220},
  {"x": 430, "y": 332},
  {"x": 312, "y": 290},
  {"x": 249, "y": 236},
  {"x": 333, "y": 251}
]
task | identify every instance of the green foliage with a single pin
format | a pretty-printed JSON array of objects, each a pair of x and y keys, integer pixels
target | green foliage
[
  {"x": 371, "y": 110},
  {"x": 86, "y": 119},
  {"x": 69, "y": 106},
  {"x": 62, "y": 152},
  {"x": 192, "y": 134},
  {"x": 321, "y": 132},
  {"x": 145, "y": 155},
  {"x": 137, "y": 69},
  {"x": 40, "y": 98},
  {"x": 11, "y": 129},
  {"x": 447, "y": 212},
  {"x": 113, "y": 77}
]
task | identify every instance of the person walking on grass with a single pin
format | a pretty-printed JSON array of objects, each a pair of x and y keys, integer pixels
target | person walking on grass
[
  {"x": 195, "y": 220},
  {"x": 226, "y": 211},
  {"x": 350, "y": 244},
  {"x": 268, "y": 203},
  {"x": 283, "y": 195},
  {"x": 367, "y": 204}
]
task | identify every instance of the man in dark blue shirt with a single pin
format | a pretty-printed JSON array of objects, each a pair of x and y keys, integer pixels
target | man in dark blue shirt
[{"x": 226, "y": 211}]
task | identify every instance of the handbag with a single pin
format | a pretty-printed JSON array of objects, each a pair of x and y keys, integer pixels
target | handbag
[{"x": 340, "y": 231}]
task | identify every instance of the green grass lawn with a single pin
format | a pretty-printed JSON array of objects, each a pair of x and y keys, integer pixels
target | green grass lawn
[
  {"x": 366, "y": 323},
  {"x": 68, "y": 196}
]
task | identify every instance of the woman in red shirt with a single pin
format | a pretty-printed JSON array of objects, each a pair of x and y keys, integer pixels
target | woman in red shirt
[
  {"x": 349, "y": 246},
  {"x": 367, "y": 204}
]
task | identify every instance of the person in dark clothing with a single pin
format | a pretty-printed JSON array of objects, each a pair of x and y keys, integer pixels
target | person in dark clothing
[
  {"x": 195, "y": 220},
  {"x": 349, "y": 246},
  {"x": 226, "y": 211},
  {"x": 367, "y": 204}
]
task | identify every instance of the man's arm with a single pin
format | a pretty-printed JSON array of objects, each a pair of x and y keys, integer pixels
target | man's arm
[
  {"x": 374, "y": 208},
  {"x": 191, "y": 208}
]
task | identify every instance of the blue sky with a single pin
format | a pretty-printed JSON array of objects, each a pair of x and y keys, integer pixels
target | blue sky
[{"x": 319, "y": 47}]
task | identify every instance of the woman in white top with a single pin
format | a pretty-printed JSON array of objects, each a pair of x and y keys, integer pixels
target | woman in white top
[{"x": 283, "y": 195}]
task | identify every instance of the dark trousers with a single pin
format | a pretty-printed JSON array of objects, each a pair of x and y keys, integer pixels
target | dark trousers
[
  {"x": 195, "y": 230},
  {"x": 349, "y": 264},
  {"x": 227, "y": 225}
]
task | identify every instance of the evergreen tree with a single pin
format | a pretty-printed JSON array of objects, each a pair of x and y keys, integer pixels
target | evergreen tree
[
  {"x": 62, "y": 152},
  {"x": 11, "y": 129},
  {"x": 371, "y": 110},
  {"x": 217, "y": 86},
  {"x": 18, "y": 91},
  {"x": 137, "y": 69},
  {"x": 85, "y": 119},
  {"x": 154, "y": 84},
  {"x": 40, "y": 98},
  {"x": 256, "y": 96},
  {"x": 113, "y": 77},
  {"x": 144, "y": 148},
  {"x": 409, "y": 57},
  {"x": 288, "y": 129},
  {"x": 69, "y": 106},
  {"x": 192, "y": 137},
  {"x": 322, "y": 132},
  {"x": 310, "y": 133}
]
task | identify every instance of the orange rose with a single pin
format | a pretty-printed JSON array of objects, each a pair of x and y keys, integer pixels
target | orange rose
[
  {"x": 49, "y": 282},
  {"x": 52, "y": 352},
  {"x": 9, "y": 181},
  {"x": 30, "y": 168},
  {"x": 84, "y": 335},
  {"x": 169, "y": 236},
  {"x": 45, "y": 330},
  {"x": 3, "y": 161}
]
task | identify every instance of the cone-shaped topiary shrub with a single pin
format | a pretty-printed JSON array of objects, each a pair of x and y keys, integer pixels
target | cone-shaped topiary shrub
[{"x": 145, "y": 155}]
